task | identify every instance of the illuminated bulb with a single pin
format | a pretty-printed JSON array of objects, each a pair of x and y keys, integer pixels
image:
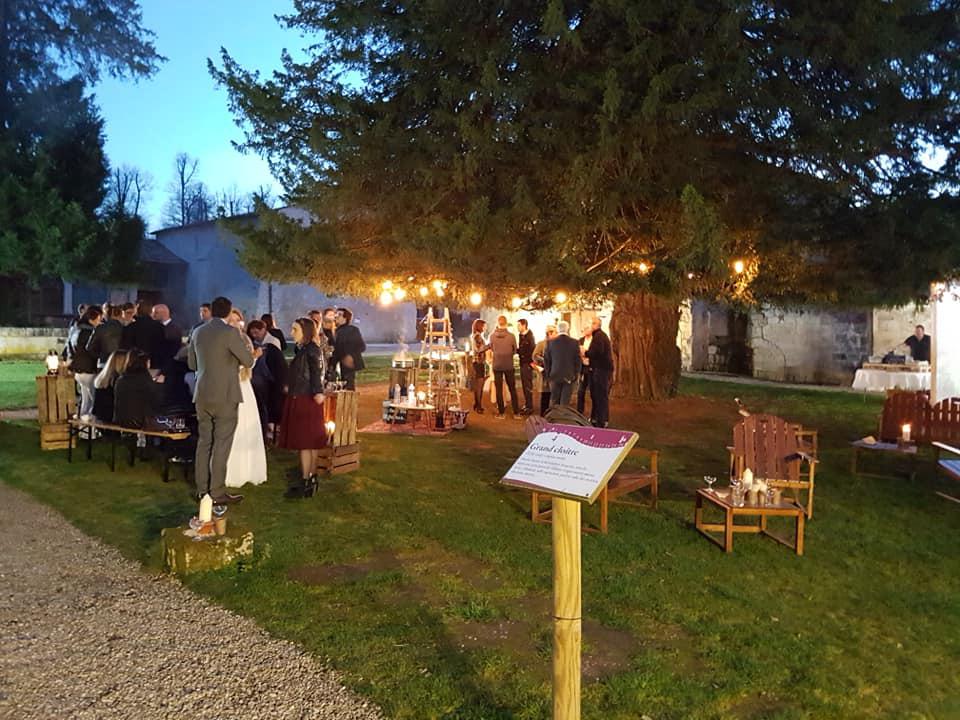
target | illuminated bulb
[
  {"x": 476, "y": 298},
  {"x": 439, "y": 292},
  {"x": 437, "y": 285},
  {"x": 515, "y": 303},
  {"x": 643, "y": 268},
  {"x": 739, "y": 267},
  {"x": 386, "y": 297},
  {"x": 399, "y": 294},
  {"x": 690, "y": 276},
  {"x": 560, "y": 297},
  {"x": 387, "y": 285},
  {"x": 423, "y": 292}
]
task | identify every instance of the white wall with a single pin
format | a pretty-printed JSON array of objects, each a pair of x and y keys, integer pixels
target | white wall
[
  {"x": 579, "y": 319},
  {"x": 31, "y": 342}
]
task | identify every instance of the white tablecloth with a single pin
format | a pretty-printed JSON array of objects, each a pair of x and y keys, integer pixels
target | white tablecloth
[{"x": 880, "y": 380}]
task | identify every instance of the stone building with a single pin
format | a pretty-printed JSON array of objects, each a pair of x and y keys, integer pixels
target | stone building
[{"x": 802, "y": 345}]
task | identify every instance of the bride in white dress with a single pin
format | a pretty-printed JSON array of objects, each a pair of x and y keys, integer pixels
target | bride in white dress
[{"x": 248, "y": 458}]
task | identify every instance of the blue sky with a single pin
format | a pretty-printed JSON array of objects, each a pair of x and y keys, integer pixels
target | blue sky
[{"x": 180, "y": 109}]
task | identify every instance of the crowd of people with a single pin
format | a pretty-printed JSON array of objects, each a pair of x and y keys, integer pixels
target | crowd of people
[
  {"x": 136, "y": 368},
  {"x": 556, "y": 368}
]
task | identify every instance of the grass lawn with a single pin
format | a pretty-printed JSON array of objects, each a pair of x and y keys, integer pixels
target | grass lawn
[
  {"x": 17, "y": 387},
  {"x": 425, "y": 583}
]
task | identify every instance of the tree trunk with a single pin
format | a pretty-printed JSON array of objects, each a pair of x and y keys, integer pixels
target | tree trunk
[{"x": 646, "y": 358}]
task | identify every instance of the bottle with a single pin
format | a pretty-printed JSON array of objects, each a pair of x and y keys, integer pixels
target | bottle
[
  {"x": 411, "y": 394},
  {"x": 396, "y": 393}
]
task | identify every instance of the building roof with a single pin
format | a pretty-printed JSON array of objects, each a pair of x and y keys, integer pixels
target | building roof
[
  {"x": 152, "y": 251},
  {"x": 213, "y": 221}
]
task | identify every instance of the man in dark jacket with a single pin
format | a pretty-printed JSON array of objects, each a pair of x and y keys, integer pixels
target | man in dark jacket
[
  {"x": 105, "y": 339},
  {"x": 269, "y": 376},
  {"x": 272, "y": 329},
  {"x": 146, "y": 334},
  {"x": 600, "y": 355},
  {"x": 525, "y": 346},
  {"x": 584, "y": 385},
  {"x": 348, "y": 349},
  {"x": 172, "y": 336},
  {"x": 503, "y": 345},
  {"x": 561, "y": 360}
]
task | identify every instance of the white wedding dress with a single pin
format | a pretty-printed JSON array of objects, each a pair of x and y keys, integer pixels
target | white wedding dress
[{"x": 248, "y": 458}]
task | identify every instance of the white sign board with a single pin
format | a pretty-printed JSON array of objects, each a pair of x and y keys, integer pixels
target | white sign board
[{"x": 570, "y": 461}]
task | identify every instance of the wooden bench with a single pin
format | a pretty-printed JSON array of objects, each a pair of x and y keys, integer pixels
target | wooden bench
[
  {"x": 117, "y": 432},
  {"x": 951, "y": 466}
]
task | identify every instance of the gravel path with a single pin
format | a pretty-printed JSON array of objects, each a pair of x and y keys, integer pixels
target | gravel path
[{"x": 86, "y": 634}]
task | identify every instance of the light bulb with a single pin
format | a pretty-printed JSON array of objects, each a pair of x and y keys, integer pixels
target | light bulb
[
  {"x": 387, "y": 285},
  {"x": 399, "y": 294},
  {"x": 423, "y": 291},
  {"x": 515, "y": 303},
  {"x": 476, "y": 298},
  {"x": 560, "y": 297},
  {"x": 386, "y": 297},
  {"x": 739, "y": 266}
]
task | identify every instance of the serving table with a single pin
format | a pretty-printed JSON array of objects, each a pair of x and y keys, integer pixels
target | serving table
[
  {"x": 908, "y": 450},
  {"x": 874, "y": 377},
  {"x": 721, "y": 499}
]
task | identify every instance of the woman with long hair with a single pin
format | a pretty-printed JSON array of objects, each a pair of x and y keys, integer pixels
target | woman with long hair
[
  {"x": 478, "y": 348},
  {"x": 247, "y": 462},
  {"x": 103, "y": 385},
  {"x": 302, "y": 427},
  {"x": 83, "y": 363}
]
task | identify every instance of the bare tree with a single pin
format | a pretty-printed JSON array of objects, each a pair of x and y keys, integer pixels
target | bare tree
[
  {"x": 231, "y": 202},
  {"x": 127, "y": 189},
  {"x": 183, "y": 191},
  {"x": 264, "y": 194}
]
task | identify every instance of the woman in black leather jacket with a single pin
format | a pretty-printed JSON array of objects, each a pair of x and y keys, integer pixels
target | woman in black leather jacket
[
  {"x": 83, "y": 363},
  {"x": 302, "y": 427}
]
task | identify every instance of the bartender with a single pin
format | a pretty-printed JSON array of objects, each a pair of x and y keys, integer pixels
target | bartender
[{"x": 919, "y": 344}]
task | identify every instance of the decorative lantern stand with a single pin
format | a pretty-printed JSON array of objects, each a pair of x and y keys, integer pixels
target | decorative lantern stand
[{"x": 342, "y": 454}]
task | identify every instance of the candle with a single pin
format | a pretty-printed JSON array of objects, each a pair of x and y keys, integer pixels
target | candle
[
  {"x": 777, "y": 493},
  {"x": 421, "y": 397},
  {"x": 747, "y": 478},
  {"x": 206, "y": 509},
  {"x": 752, "y": 496},
  {"x": 331, "y": 427},
  {"x": 905, "y": 430}
]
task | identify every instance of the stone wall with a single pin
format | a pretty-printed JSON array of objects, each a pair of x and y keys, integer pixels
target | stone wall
[
  {"x": 809, "y": 346},
  {"x": 892, "y": 326},
  {"x": 16, "y": 342}
]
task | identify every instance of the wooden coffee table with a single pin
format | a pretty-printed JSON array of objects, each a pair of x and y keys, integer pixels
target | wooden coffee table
[
  {"x": 720, "y": 499},
  {"x": 909, "y": 450}
]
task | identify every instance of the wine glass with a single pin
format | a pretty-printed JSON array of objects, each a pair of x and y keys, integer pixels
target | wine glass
[{"x": 709, "y": 480}]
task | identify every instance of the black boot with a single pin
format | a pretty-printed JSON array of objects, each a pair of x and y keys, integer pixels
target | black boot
[
  {"x": 296, "y": 489},
  {"x": 310, "y": 486}
]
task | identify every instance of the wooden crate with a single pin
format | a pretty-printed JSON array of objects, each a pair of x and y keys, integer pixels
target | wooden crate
[
  {"x": 402, "y": 377},
  {"x": 56, "y": 398},
  {"x": 55, "y": 436},
  {"x": 341, "y": 407},
  {"x": 336, "y": 460}
]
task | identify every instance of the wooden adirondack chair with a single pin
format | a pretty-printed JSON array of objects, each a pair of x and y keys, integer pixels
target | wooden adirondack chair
[{"x": 774, "y": 450}]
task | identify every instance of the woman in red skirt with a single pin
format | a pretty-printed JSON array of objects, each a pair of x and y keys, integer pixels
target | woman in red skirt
[{"x": 302, "y": 427}]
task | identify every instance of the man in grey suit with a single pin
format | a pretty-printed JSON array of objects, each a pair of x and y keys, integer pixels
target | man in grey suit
[
  {"x": 561, "y": 365},
  {"x": 216, "y": 352}
]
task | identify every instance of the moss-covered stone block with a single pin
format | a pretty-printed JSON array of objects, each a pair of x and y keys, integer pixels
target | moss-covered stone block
[{"x": 183, "y": 554}]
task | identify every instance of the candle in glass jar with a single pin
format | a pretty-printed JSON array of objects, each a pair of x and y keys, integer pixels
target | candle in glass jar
[
  {"x": 330, "y": 426},
  {"x": 752, "y": 496},
  {"x": 905, "y": 431},
  {"x": 747, "y": 479}
]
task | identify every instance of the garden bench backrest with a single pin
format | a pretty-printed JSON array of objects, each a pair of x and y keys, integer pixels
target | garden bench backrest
[
  {"x": 768, "y": 446},
  {"x": 906, "y": 407},
  {"x": 944, "y": 422}
]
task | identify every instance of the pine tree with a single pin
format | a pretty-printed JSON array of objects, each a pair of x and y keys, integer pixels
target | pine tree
[{"x": 645, "y": 151}]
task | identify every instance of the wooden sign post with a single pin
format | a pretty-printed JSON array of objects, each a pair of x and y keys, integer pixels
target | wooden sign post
[{"x": 573, "y": 464}]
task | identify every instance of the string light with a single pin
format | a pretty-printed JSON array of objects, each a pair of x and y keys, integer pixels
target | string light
[
  {"x": 689, "y": 276},
  {"x": 387, "y": 285},
  {"x": 515, "y": 303},
  {"x": 437, "y": 284},
  {"x": 423, "y": 291},
  {"x": 399, "y": 294},
  {"x": 643, "y": 268},
  {"x": 560, "y": 297},
  {"x": 476, "y": 298},
  {"x": 739, "y": 266},
  {"x": 386, "y": 297}
]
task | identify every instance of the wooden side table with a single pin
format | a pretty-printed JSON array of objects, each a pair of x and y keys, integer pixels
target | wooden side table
[
  {"x": 910, "y": 451},
  {"x": 729, "y": 527}
]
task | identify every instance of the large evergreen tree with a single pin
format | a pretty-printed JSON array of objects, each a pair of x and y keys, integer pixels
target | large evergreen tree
[
  {"x": 626, "y": 148},
  {"x": 52, "y": 166}
]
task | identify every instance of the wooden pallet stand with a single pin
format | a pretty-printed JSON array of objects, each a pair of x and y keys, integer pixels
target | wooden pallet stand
[
  {"x": 343, "y": 453},
  {"x": 338, "y": 460},
  {"x": 56, "y": 404}
]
